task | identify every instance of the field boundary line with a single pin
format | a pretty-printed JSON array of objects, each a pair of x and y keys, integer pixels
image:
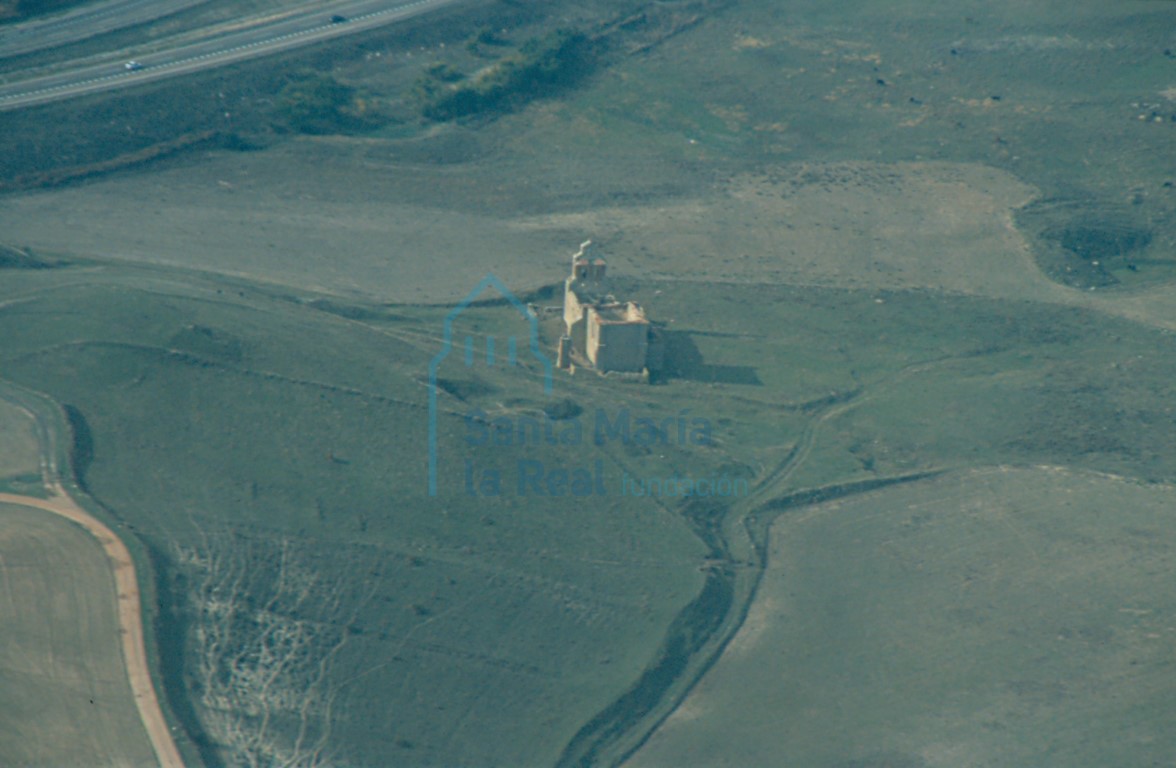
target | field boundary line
[{"x": 130, "y": 616}]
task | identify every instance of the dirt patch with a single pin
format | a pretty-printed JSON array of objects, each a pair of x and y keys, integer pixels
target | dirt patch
[
  {"x": 861, "y": 225},
  {"x": 347, "y": 229}
]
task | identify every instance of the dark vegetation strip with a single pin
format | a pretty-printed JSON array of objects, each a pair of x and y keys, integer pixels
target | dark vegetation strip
[
  {"x": 81, "y": 444},
  {"x": 758, "y": 524},
  {"x": 698, "y": 623},
  {"x": 140, "y": 157},
  {"x": 171, "y": 626},
  {"x": 21, "y": 10},
  {"x": 545, "y": 66},
  {"x": 76, "y": 452},
  {"x": 196, "y": 361},
  {"x": 540, "y": 67},
  {"x": 15, "y": 258},
  {"x": 692, "y": 628}
]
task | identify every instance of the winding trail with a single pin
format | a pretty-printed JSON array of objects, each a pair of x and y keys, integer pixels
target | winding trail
[{"x": 130, "y": 616}]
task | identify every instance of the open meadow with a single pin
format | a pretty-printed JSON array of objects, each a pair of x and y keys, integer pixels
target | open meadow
[
  {"x": 982, "y": 618},
  {"x": 64, "y": 696},
  {"x": 282, "y": 488},
  {"x": 20, "y": 459},
  {"x": 902, "y": 257}
]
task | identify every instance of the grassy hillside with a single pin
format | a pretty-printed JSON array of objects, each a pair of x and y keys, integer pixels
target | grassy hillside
[
  {"x": 270, "y": 449},
  {"x": 990, "y": 617},
  {"x": 18, "y": 10},
  {"x": 20, "y": 468},
  {"x": 271, "y": 454}
]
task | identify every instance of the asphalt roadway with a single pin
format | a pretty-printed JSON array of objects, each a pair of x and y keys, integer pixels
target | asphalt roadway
[
  {"x": 87, "y": 21},
  {"x": 224, "y": 44}
]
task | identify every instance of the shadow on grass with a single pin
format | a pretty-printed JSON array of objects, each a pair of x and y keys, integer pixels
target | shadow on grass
[{"x": 685, "y": 361}]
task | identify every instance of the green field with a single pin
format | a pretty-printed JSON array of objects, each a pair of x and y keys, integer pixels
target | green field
[
  {"x": 884, "y": 242},
  {"x": 20, "y": 465},
  {"x": 995, "y": 617},
  {"x": 64, "y": 696},
  {"x": 282, "y": 490},
  {"x": 271, "y": 455}
]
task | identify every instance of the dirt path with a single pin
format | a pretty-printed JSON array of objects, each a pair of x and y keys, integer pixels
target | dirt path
[{"x": 130, "y": 617}]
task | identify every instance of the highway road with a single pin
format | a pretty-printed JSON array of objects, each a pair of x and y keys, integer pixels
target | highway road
[
  {"x": 224, "y": 44},
  {"x": 88, "y": 21}
]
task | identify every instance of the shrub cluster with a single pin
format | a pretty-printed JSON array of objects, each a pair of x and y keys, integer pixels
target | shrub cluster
[
  {"x": 540, "y": 66},
  {"x": 319, "y": 104}
]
